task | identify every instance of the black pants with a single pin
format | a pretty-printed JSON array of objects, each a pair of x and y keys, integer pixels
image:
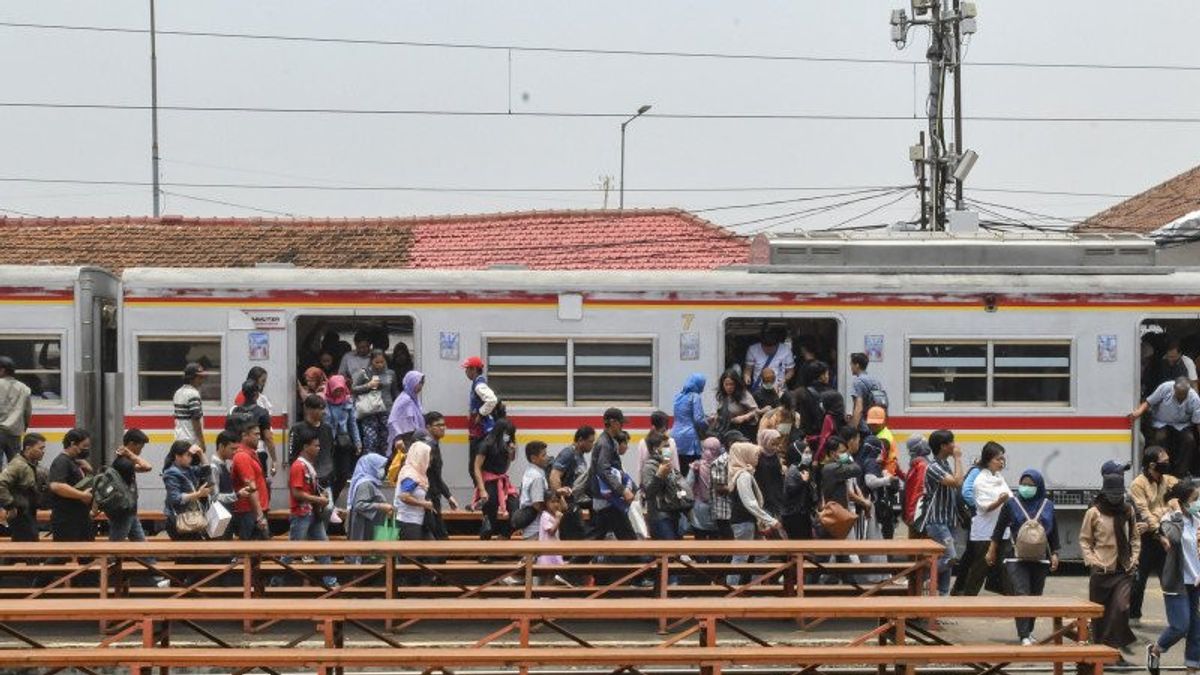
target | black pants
[
  {"x": 81, "y": 530},
  {"x": 472, "y": 450},
  {"x": 612, "y": 519},
  {"x": 1181, "y": 447},
  {"x": 572, "y": 528},
  {"x": 1149, "y": 562},
  {"x": 1026, "y": 578},
  {"x": 798, "y": 525},
  {"x": 11, "y": 444},
  {"x": 492, "y": 524},
  {"x": 343, "y": 468},
  {"x": 685, "y": 464},
  {"x": 23, "y": 526}
]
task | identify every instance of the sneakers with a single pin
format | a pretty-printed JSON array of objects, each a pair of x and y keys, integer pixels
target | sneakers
[
  {"x": 511, "y": 581},
  {"x": 1027, "y": 642},
  {"x": 1152, "y": 658},
  {"x": 558, "y": 579}
]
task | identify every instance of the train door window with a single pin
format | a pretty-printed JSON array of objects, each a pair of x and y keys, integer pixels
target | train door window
[
  {"x": 323, "y": 340},
  {"x": 161, "y": 360},
  {"x": 38, "y": 359},
  {"x": 808, "y": 338},
  {"x": 1159, "y": 362},
  {"x": 947, "y": 372}
]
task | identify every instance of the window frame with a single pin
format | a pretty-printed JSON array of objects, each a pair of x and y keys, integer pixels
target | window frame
[
  {"x": 66, "y": 400},
  {"x": 215, "y": 407},
  {"x": 990, "y": 404},
  {"x": 570, "y": 340}
]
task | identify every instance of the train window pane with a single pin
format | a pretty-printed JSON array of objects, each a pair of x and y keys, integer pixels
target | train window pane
[
  {"x": 160, "y": 367},
  {"x": 528, "y": 370},
  {"x": 947, "y": 373},
  {"x": 614, "y": 372},
  {"x": 1025, "y": 372},
  {"x": 38, "y": 359}
]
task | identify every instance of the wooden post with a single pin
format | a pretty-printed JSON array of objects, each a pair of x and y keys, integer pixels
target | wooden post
[
  {"x": 901, "y": 639},
  {"x": 527, "y": 563},
  {"x": 933, "y": 575},
  {"x": 1058, "y": 640},
  {"x": 103, "y": 588},
  {"x": 664, "y": 580},
  {"x": 523, "y": 628},
  {"x": 389, "y": 584},
  {"x": 1083, "y": 632},
  {"x": 164, "y": 640},
  {"x": 708, "y": 638}
]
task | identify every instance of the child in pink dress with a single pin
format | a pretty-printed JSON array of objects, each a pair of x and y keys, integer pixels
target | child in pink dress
[{"x": 548, "y": 523}]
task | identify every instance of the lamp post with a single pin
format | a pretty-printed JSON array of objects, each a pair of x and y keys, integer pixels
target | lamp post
[{"x": 640, "y": 111}]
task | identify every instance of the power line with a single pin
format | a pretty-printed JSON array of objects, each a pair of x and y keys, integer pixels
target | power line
[
  {"x": 544, "y": 49},
  {"x": 581, "y": 114},
  {"x": 225, "y": 203},
  {"x": 797, "y": 199}
]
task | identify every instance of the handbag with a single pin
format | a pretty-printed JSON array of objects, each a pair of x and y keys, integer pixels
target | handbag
[
  {"x": 836, "y": 520},
  {"x": 523, "y": 517},
  {"x": 191, "y": 519},
  {"x": 386, "y": 531},
  {"x": 370, "y": 403}
]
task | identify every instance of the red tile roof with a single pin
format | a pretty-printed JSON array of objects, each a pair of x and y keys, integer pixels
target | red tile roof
[
  {"x": 540, "y": 240},
  {"x": 1150, "y": 210}
]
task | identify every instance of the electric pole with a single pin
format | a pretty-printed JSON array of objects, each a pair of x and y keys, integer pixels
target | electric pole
[
  {"x": 948, "y": 21},
  {"x": 154, "y": 116}
]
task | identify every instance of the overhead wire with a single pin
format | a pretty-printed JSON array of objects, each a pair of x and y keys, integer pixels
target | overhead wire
[
  {"x": 227, "y": 203},
  {"x": 550, "y": 49}
]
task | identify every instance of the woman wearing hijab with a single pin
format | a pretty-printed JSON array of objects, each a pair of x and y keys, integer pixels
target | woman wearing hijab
[
  {"x": 412, "y": 501},
  {"x": 376, "y": 378},
  {"x": 747, "y": 514},
  {"x": 406, "y": 416},
  {"x": 1026, "y": 577},
  {"x": 1110, "y": 543},
  {"x": 314, "y": 382},
  {"x": 768, "y": 474},
  {"x": 347, "y": 442},
  {"x": 700, "y": 482},
  {"x": 368, "y": 507},
  {"x": 834, "y": 405},
  {"x": 690, "y": 422}
]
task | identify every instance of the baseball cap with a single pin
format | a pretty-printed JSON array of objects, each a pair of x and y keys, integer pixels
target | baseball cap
[
  {"x": 472, "y": 362},
  {"x": 192, "y": 370},
  {"x": 876, "y": 415},
  {"x": 614, "y": 415},
  {"x": 918, "y": 446},
  {"x": 1112, "y": 466}
]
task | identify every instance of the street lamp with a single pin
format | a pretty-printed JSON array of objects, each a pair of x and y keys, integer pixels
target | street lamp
[{"x": 640, "y": 111}]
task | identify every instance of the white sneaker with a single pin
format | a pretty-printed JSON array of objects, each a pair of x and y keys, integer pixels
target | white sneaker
[
  {"x": 562, "y": 582},
  {"x": 511, "y": 581},
  {"x": 163, "y": 582},
  {"x": 1027, "y": 642}
]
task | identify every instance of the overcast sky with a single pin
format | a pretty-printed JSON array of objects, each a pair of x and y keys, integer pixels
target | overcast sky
[{"x": 475, "y": 154}]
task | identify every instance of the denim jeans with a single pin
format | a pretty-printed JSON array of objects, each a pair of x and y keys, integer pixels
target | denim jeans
[
  {"x": 310, "y": 528},
  {"x": 1182, "y": 621},
  {"x": 125, "y": 527},
  {"x": 944, "y": 535},
  {"x": 743, "y": 532}
]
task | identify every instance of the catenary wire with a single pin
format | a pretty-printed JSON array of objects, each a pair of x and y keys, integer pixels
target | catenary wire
[{"x": 587, "y": 50}]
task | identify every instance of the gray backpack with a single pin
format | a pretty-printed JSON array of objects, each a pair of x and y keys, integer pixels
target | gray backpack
[{"x": 1031, "y": 542}]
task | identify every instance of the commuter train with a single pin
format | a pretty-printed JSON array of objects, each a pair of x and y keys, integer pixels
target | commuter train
[{"x": 1039, "y": 350}]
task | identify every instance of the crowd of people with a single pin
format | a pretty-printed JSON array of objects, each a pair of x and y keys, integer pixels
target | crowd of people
[{"x": 754, "y": 458}]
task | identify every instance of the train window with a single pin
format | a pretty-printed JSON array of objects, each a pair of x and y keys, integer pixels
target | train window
[
  {"x": 614, "y": 372},
  {"x": 161, "y": 361},
  {"x": 947, "y": 372},
  {"x": 1031, "y": 373},
  {"x": 989, "y": 373},
  {"x": 534, "y": 371},
  {"x": 570, "y": 371},
  {"x": 39, "y": 364}
]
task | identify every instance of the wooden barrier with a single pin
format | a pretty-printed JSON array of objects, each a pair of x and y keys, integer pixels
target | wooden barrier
[
  {"x": 453, "y": 569},
  {"x": 897, "y": 624}
]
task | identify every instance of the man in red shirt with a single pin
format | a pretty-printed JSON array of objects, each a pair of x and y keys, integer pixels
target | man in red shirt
[
  {"x": 308, "y": 500},
  {"x": 250, "y": 510}
]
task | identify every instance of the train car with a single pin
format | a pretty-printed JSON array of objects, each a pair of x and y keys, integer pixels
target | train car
[
  {"x": 58, "y": 325},
  {"x": 1037, "y": 348}
]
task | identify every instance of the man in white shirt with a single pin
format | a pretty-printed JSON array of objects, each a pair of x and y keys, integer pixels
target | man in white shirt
[
  {"x": 1176, "y": 419},
  {"x": 774, "y": 353}
]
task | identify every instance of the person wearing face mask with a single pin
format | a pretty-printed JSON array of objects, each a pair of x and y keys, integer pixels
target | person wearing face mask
[
  {"x": 1108, "y": 538},
  {"x": 1180, "y": 576},
  {"x": 1026, "y": 565},
  {"x": 1148, "y": 492},
  {"x": 70, "y": 507}
]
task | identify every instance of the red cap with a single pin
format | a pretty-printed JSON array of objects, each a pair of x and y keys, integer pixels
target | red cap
[{"x": 473, "y": 362}]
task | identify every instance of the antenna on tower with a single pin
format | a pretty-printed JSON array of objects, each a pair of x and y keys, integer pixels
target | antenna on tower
[{"x": 948, "y": 21}]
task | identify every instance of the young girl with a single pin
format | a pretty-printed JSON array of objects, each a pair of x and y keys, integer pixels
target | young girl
[
  {"x": 548, "y": 523},
  {"x": 1180, "y": 578},
  {"x": 1026, "y": 577}
]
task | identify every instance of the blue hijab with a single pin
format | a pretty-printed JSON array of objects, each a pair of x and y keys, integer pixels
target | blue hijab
[
  {"x": 370, "y": 469},
  {"x": 1031, "y": 506},
  {"x": 694, "y": 385}
]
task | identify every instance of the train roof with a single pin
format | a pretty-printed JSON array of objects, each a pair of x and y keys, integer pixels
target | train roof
[
  {"x": 42, "y": 275},
  {"x": 734, "y": 280}
]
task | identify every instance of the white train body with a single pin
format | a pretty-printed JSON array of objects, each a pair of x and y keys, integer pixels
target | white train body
[{"x": 639, "y": 335}]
